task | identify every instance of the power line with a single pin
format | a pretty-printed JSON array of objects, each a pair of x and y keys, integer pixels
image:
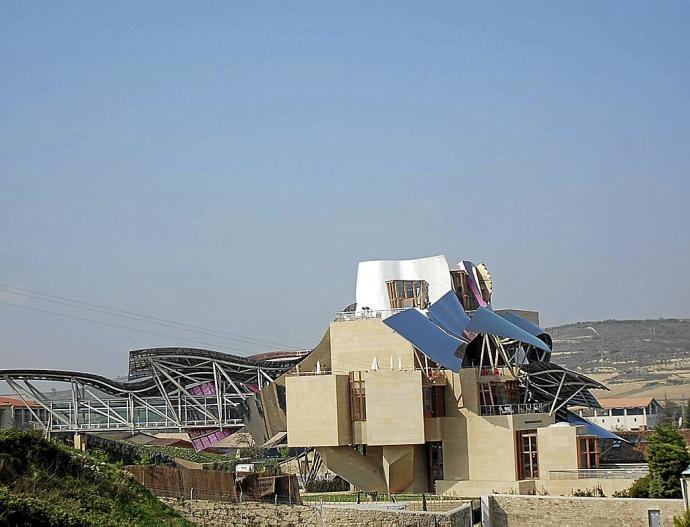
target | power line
[
  {"x": 99, "y": 322},
  {"x": 140, "y": 317},
  {"x": 134, "y": 318}
]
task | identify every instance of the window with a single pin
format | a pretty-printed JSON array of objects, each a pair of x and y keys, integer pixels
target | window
[
  {"x": 463, "y": 291},
  {"x": 528, "y": 458},
  {"x": 434, "y": 401},
  {"x": 588, "y": 452},
  {"x": 434, "y": 452},
  {"x": 408, "y": 293},
  {"x": 617, "y": 411},
  {"x": 635, "y": 411},
  {"x": 358, "y": 400}
]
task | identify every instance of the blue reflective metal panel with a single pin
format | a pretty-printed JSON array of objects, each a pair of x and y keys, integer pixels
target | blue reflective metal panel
[
  {"x": 523, "y": 323},
  {"x": 448, "y": 313},
  {"x": 592, "y": 428},
  {"x": 423, "y": 334},
  {"x": 486, "y": 321}
]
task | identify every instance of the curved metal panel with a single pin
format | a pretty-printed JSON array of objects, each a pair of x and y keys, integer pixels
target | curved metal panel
[
  {"x": 522, "y": 323},
  {"x": 426, "y": 336},
  {"x": 473, "y": 281},
  {"x": 449, "y": 314},
  {"x": 486, "y": 321},
  {"x": 592, "y": 428}
]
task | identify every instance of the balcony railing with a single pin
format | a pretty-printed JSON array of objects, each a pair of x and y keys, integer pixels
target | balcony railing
[
  {"x": 510, "y": 409},
  {"x": 636, "y": 472},
  {"x": 365, "y": 314}
]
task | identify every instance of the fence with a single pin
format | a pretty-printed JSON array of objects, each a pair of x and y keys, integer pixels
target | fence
[
  {"x": 600, "y": 473},
  {"x": 365, "y": 314},
  {"x": 216, "y": 485},
  {"x": 510, "y": 409}
]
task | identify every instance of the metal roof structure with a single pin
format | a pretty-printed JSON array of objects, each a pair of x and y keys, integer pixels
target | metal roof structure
[
  {"x": 186, "y": 389},
  {"x": 454, "y": 336}
]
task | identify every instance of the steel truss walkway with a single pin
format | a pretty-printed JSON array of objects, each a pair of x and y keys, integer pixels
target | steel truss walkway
[{"x": 183, "y": 389}]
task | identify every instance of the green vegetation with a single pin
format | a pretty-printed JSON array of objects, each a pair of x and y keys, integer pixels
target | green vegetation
[
  {"x": 131, "y": 453},
  {"x": 47, "y": 484},
  {"x": 596, "y": 492},
  {"x": 184, "y": 453},
  {"x": 683, "y": 520},
  {"x": 639, "y": 489},
  {"x": 667, "y": 456},
  {"x": 337, "y": 484}
]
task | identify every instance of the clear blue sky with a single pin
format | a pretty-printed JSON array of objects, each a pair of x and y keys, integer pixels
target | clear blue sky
[{"x": 228, "y": 164}]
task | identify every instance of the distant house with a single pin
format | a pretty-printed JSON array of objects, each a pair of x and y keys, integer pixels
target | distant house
[
  {"x": 626, "y": 413},
  {"x": 15, "y": 414}
]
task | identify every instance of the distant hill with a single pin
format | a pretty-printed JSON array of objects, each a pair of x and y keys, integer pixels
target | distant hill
[{"x": 643, "y": 354}]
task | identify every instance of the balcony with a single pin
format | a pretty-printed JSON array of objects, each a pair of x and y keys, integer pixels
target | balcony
[{"x": 512, "y": 409}]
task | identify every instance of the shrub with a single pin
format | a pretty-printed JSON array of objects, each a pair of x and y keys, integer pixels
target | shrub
[
  {"x": 667, "y": 456},
  {"x": 596, "y": 492},
  {"x": 639, "y": 489},
  {"x": 683, "y": 520},
  {"x": 337, "y": 484}
]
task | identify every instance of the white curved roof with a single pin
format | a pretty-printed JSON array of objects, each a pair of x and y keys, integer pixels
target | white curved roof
[{"x": 372, "y": 276}]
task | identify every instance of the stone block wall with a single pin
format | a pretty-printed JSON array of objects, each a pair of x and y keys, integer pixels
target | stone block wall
[
  {"x": 254, "y": 514},
  {"x": 546, "y": 511}
]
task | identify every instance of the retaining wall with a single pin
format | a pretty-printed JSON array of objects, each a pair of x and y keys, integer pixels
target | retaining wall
[
  {"x": 546, "y": 511},
  {"x": 254, "y": 514}
]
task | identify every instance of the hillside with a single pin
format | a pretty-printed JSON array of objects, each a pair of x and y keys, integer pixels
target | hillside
[
  {"x": 633, "y": 357},
  {"x": 43, "y": 483}
]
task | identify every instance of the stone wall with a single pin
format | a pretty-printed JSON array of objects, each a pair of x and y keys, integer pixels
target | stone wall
[
  {"x": 538, "y": 511},
  {"x": 253, "y": 514},
  {"x": 361, "y": 517},
  {"x": 248, "y": 514}
]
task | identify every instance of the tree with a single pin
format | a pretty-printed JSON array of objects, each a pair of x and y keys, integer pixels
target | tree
[{"x": 667, "y": 456}]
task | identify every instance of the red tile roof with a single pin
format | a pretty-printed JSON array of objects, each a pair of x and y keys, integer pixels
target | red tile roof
[{"x": 15, "y": 401}]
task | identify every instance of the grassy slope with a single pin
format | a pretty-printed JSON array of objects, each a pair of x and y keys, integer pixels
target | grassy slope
[{"x": 43, "y": 483}]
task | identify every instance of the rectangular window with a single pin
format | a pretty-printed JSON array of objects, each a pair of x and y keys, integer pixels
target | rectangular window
[
  {"x": 434, "y": 463},
  {"x": 358, "y": 400},
  {"x": 588, "y": 452},
  {"x": 408, "y": 293},
  {"x": 617, "y": 411},
  {"x": 434, "y": 401},
  {"x": 528, "y": 457},
  {"x": 635, "y": 411}
]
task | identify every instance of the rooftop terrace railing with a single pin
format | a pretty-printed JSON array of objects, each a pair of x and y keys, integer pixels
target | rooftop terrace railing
[
  {"x": 511, "y": 409},
  {"x": 365, "y": 314}
]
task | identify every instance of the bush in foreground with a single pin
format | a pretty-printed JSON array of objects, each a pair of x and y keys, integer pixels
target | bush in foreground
[{"x": 45, "y": 484}]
